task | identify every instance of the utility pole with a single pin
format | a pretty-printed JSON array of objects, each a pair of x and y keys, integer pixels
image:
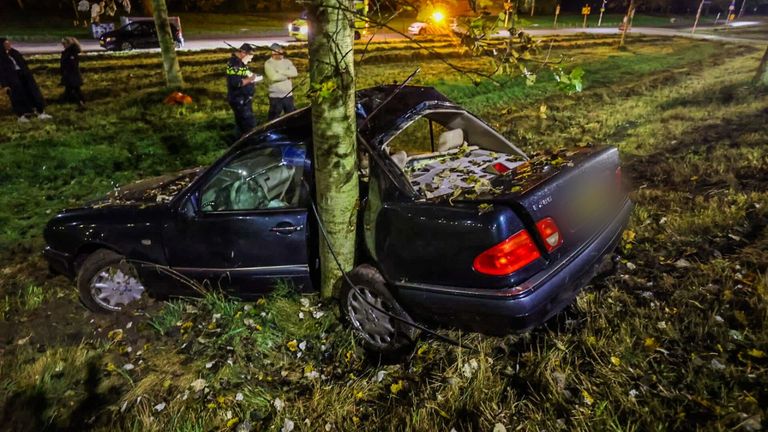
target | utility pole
[{"x": 602, "y": 10}]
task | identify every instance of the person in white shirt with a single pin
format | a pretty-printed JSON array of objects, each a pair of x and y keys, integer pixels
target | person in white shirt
[{"x": 279, "y": 71}]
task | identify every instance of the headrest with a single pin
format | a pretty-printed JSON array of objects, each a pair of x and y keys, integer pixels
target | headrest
[
  {"x": 400, "y": 158},
  {"x": 450, "y": 140}
]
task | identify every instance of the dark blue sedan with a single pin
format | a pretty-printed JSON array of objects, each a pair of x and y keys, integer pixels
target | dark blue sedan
[{"x": 457, "y": 225}]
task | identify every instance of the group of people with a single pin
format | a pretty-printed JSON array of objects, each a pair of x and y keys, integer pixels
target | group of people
[
  {"x": 27, "y": 101},
  {"x": 240, "y": 85},
  {"x": 99, "y": 8},
  {"x": 17, "y": 81}
]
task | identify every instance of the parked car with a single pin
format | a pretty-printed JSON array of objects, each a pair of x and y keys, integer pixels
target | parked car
[
  {"x": 135, "y": 35},
  {"x": 457, "y": 225}
]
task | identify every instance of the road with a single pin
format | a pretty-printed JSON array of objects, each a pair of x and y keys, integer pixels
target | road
[{"x": 92, "y": 46}]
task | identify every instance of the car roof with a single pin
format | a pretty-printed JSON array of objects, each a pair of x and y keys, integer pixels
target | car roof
[{"x": 381, "y": 109}]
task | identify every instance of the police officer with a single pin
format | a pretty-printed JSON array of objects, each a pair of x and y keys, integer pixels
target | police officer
[{"x": 240, "y": 82}]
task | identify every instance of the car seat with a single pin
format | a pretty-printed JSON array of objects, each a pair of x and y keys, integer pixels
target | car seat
[{"x": 450, "y": 140}]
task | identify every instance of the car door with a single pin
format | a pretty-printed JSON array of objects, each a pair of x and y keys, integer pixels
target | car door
[{"x": 245, "y": 229}]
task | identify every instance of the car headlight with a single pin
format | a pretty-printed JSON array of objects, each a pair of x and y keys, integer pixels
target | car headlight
[
  {"x": 304, "y": 29},
  {"x": 109, "y": 39}
]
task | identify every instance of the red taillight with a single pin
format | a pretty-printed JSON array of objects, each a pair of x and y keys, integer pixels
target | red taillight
[
  {"x": 500, "y": 167},
  {"x": 508, "y": 256},
  {"x": 549, "y": 232}
]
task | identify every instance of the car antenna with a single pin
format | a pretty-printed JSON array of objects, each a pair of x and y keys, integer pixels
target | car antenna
[{"x": 394, "y": 92}]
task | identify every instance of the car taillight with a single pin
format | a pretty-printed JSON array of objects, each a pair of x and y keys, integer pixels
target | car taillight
[
  {"x": 508, "y": 256},
  {"x": 549, "y": 232}
]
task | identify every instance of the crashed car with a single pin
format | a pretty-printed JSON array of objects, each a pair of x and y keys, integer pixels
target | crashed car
[{"x": 457, "y": 225}]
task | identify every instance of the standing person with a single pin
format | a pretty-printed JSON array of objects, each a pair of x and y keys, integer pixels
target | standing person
[
  {"x": 96, "y": 10},
  {"x": 240, "y": 82},
  {"x": 18, "y": 82},
  {"x": 279, "y": 71},
  {"x": 71, "y": 78}
]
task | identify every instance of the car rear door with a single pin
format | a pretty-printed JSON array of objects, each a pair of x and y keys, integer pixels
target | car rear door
[{"x": 245, "y": 229}]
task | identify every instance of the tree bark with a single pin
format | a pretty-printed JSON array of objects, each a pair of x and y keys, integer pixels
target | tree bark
[
  {"x": 761, "y": 78},
  {"x": 332, "y": 90},
  {"x": 173, "y": 78},
  {"x": 627, "y": 21}
]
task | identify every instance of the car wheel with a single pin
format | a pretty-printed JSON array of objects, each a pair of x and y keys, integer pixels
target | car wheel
[
  {"x": 362, "y": 305},
  {"x": 177, "y": 44},
  {"x": 126, "y": 46},
  {"x": 106, "y": 282},
  {"x": 357, "y": 35}
]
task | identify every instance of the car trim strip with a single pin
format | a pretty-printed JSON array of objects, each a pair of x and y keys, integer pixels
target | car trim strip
[{"x": 297, "y": 268}]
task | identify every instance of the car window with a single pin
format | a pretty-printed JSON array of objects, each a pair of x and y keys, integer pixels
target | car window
[
  {"x": 416, "y": 138},
  {"x": 265, "y": 178}
]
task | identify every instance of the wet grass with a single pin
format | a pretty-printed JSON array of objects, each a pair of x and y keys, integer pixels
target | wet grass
[{"x": 676, "y": 339}]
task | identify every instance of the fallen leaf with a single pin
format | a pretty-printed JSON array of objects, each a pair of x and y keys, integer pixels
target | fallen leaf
[
  {"x": 198, "y": 384},
  {"x": 756, "y": 353},
  {"x": 650, "y": 344},
  {"x": 616, "y": 361},
  {"x": 397, "y": 387},
  {"x": 293, "y": 345}
]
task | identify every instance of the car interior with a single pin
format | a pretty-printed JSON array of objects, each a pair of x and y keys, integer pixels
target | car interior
[
  {"x": 465, "y": 154},
  {"x": 261, "y": 179}
]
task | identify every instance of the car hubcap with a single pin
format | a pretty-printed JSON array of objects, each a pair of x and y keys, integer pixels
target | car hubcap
[
  {"x": 112, "y": 288},
  {"x": 375, "y": 326}
]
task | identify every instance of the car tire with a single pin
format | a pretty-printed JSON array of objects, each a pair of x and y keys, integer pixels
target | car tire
[
  {"x": 380, "y": 333},
  {"x": 126, "y": 46},
  {"x": 107, "y": 283},
  {"x": 357, "y": 35}
]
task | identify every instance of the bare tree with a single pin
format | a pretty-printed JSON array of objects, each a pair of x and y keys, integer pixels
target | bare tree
[{"x": 171, "y": 67}]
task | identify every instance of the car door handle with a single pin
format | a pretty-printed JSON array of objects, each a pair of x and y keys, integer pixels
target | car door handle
[{"x": 286, "y": 229}]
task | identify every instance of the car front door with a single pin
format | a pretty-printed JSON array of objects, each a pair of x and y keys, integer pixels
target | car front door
[{"x": 245, "y": 228}]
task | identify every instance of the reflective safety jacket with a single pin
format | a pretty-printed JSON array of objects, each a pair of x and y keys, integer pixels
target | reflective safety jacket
[{"x": 236, "y": 72}]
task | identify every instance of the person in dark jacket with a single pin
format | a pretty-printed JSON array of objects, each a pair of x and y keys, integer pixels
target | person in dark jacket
[
  {"x": 19, "y": 84},
  {"x": 240, "y": 82},
  {"x": 71, "y": 78}
]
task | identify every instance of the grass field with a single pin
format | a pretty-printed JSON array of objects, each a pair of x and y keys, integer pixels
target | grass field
[{"x": 676, "y": 339}]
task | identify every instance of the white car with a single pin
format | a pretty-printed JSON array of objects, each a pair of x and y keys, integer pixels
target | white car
[{"x": 417, "y": 28}]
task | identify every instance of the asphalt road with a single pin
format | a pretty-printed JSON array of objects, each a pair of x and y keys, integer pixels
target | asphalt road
[{"x": 92, "y": 46}]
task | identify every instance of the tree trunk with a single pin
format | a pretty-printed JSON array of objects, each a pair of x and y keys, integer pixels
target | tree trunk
[
  {"x": 761, "y": 78},
  {"x": 627, "y": 20},
  {"x": 171, "y": 67},
  {"x": 332, "y": 89}
]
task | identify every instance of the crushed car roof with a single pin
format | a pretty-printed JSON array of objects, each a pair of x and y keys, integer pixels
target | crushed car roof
[{"x": 375, "y": 122}]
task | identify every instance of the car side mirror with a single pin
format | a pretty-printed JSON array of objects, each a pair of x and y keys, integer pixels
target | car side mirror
[{"x": 187, "y": 210}]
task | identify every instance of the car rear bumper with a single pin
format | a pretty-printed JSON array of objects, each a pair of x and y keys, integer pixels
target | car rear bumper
[
  {"x": 499, "y": 312},
  {"x": 59, "y": 262}
]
